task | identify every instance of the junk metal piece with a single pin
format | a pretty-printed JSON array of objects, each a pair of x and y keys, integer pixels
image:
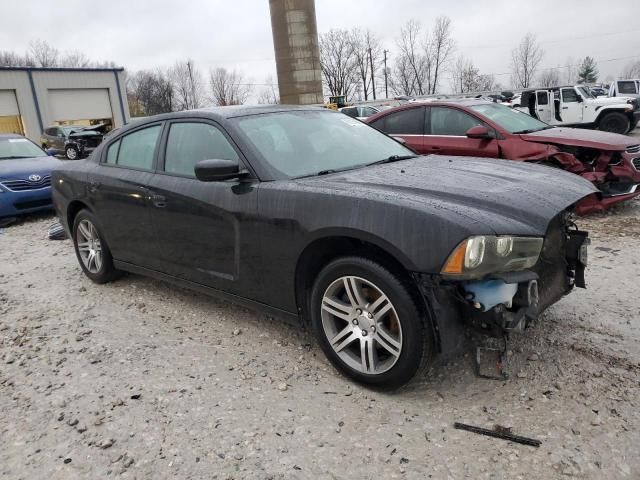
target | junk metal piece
[
  {"x": 498, "y": 434},
  {"x": 498, "y": 367},
  {"x": 56, "y": 232}
]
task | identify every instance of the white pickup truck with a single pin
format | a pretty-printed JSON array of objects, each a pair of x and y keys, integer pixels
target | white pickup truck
[
  {"x": 576, "y": 106},
  {"x": 625, "y": 88}
]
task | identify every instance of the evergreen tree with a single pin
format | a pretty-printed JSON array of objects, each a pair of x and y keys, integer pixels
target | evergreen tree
[{"x": 588, "y": 72}]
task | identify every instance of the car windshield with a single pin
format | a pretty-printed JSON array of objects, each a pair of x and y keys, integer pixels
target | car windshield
[
  {"x": 18, "y": 147},
  {"x": 302, "y": 143},
  {"x": 585, "y": 92},
  {"x": 514, "y": 121}
]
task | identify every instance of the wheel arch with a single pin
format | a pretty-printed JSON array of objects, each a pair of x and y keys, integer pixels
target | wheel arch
[
  {"x": 73, "y": 209},
  {"x": 605, "y": 111},
  {"x": 331, "y": 245}
]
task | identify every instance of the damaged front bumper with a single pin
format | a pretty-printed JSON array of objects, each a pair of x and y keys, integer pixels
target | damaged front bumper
[{"x": 507, "y": 302}]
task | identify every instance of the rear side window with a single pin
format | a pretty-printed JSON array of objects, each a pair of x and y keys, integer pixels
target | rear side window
[
  {"x": 112, "y": 153},
  {"x": 543, "y": 98},
  {"x": 569, "y": 95},
  {"x": 627, "y": 87},
  {"x": 404, "y": 122},
  {"x": 51, "y": 132},
  {"x": 135, "y": 150},
  {"x": 188, "y": 143},
  {"x": 451, "y": 121}
]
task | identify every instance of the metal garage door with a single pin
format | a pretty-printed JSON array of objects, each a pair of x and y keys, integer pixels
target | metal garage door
[
  {"x": 10, "y": 121},
  {"x": 79, "y": 104}
]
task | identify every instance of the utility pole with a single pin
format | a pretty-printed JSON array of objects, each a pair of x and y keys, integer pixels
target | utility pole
[
  {"x": 193, "y": 88},
  {"x": 373, "y": 82},
  {"x": 386, "y": 91}
]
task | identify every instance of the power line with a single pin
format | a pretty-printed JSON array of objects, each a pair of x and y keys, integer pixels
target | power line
[
  {"x": 547, "y": 42},
  {"x": 576, "y": 65}
]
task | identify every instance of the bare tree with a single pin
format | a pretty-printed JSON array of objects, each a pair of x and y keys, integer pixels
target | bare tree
[
  {"x": 413, "y": 66},
  {"x": 13, "y": 59},
  {"x": 525, "y": 61},
  {"x": 549, "y": 78},
  {"x": 75, "y": 59},
  {"x": 338, "y": 62},
  {"x": 367, "y": 50},
  {"x": 149, "y": 93},
  {"x": 269, "y": 93},
  {"x": 466, "y": 78},
  {"x": 228, "y": 88},
  {"x": 631, "y": 70},
  {"x": 441, "y": 46},
  {"x": 43, "y": 54},
  {"x": 187, "y": 85}
]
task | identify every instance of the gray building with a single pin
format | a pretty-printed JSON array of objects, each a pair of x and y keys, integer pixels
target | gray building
[{"x": 32, "y": 99}]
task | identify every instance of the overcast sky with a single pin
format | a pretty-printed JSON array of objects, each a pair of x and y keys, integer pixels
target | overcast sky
[{"x": 237, "y": 34}]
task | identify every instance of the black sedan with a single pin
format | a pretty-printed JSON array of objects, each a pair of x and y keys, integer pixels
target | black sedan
[{"x": 317, "y": 217}]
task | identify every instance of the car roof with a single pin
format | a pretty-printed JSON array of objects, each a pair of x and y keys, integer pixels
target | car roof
[
  {"x": 458, "y": 102},
  {"x": 4, "y": 136}
]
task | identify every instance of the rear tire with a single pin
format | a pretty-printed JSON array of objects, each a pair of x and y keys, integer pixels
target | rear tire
[
  {"x": 614, "y": 122},
  {"x": 368, "y": 323},
  {"x": 91, "y": 249}
]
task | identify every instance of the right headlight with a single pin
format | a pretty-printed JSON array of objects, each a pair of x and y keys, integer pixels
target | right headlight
[{"x": 481, "y": 255}]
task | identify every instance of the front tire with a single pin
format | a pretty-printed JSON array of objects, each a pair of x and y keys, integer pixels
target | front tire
[
  {"x": 91, "y": 249},
  {"x": 72, "y": 153},
  {"x": 615, "y": 122},
  {"x": 369, "y": 324}
]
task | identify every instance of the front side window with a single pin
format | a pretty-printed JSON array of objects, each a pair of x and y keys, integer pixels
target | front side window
[
  {"x": 188, "y": 143},
  {"x": 543, "y": 98},
  {"x": 300, "y": 143},
  {"x": 405, "y": 122},
  {"x": 569, "y": 95},
  {"x": 451, "y": 121},
  {"x": 135, "y": 150}
]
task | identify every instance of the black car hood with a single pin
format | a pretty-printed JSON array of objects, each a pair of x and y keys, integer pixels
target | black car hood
[{"x": 498, "y": 196}]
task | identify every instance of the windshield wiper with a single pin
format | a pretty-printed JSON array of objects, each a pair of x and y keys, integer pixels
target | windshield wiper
[{"x": 392, "y": 158}]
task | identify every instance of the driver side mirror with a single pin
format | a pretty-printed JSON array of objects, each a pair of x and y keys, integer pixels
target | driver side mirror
[
  {"x": 580, "y": 99},
  {"x": 479, "y": 132},
  {"x": 217, "y": 170}
]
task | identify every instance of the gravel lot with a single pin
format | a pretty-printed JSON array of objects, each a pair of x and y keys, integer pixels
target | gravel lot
[{"x": 141, "y": 379}]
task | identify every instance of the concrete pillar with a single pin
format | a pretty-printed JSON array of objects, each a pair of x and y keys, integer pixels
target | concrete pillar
[{"x": 295, "y": 40}]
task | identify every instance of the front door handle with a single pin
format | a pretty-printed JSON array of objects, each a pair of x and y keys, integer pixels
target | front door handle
[
  {"x": 436, "y": 148},
  {"x": 565, "y": 108},
  {"x": 159, "y": 201}
]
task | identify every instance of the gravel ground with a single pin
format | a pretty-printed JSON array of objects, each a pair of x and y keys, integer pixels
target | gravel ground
[{"x": 141, "y": 379}]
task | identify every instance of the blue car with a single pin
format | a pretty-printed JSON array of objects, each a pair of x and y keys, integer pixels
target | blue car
[{"x": 25, "y": 176}]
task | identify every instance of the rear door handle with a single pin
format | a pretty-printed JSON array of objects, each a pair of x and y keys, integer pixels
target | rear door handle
[
  {"x": 93, "y": 187},
  {"x": 436, "y": 148},
  {"x": 565, "y": 108}
]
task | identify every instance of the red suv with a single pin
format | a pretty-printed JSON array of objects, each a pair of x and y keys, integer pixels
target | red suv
[{"x": 477, "y": 128}]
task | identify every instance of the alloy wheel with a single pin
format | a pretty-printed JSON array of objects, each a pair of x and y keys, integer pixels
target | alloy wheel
[
  {"x": 89, "y": 246},
  {"x": 361, "y": 325},
  {"x": 72, "y": 154}
]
